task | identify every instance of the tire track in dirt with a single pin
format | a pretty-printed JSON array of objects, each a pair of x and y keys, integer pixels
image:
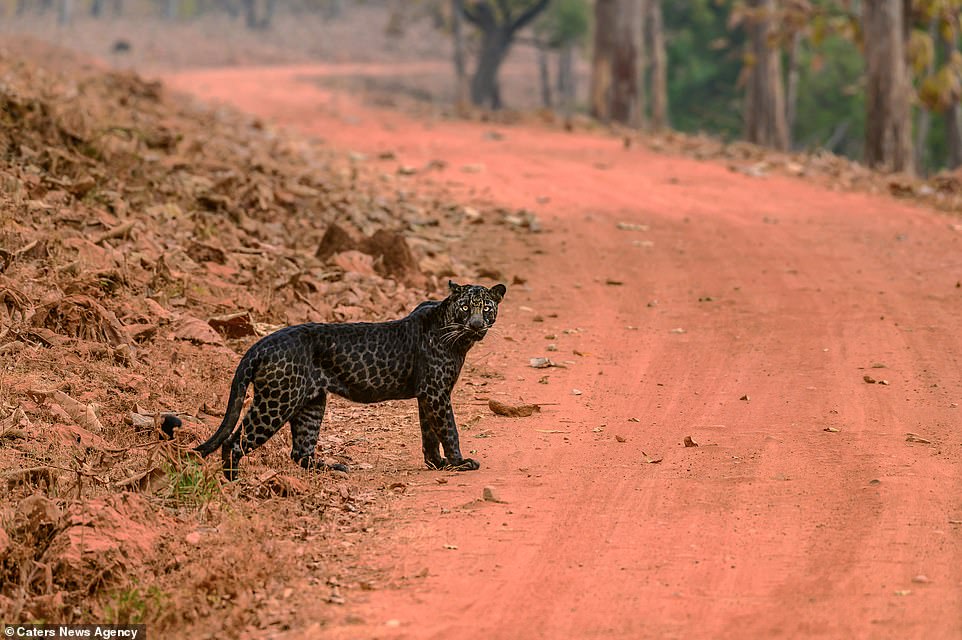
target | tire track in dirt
[{"x": 773, "y": 527}]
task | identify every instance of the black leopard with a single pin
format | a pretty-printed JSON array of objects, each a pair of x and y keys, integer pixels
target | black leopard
[{"x": 419, "y": 356}]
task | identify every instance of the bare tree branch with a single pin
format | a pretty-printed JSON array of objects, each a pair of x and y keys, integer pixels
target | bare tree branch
[
  {"x": 478, "y": 14},
  {"x": 528, "y": 15}
]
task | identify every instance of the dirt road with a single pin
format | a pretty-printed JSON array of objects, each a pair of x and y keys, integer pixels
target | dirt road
[{"x": 746, "y": 313}]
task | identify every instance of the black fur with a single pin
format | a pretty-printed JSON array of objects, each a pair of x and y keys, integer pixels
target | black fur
[{"x": 419, "y": 356}]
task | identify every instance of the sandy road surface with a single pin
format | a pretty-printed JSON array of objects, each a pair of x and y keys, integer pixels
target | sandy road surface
[{"x": 736, "y": 287}]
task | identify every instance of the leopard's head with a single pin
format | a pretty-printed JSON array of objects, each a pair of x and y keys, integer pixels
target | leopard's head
[{"x": 472, "y": 309}]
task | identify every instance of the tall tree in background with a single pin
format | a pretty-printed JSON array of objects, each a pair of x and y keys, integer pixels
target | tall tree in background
[
  {"x": 765, "y": 122},
  {"x": 499, "y": 22},
  {"x": 617, "y": 66},
  {"x": 888, "y": 126},
  {"x": 603, "y": 51},
  {"x": 64, "y": 12},
  {"x": 255, "y": 19},
  {"x": 627, "y": 97},
  {"x": 659, "y": 66},
  {"x": 460, "y": 73}
]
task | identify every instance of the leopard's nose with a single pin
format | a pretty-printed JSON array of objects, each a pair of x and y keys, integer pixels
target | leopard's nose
[{"x": 476, "y": 324}]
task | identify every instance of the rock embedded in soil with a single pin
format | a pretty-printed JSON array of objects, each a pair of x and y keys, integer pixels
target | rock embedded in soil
[{"x": 488, "y": 494}]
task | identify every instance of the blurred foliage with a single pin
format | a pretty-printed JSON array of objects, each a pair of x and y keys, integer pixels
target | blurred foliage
[
  {"x": 704, "y": 62},
  {"x": 706, "y": 57},
  {"x": 565, "y": 22}
]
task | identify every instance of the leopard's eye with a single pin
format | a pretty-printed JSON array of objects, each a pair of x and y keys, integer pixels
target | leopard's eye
[
  {"x": 464, "y": 307},
  {"x": 488, "y": 306}
]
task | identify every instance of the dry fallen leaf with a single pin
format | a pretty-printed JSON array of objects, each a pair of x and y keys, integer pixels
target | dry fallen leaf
[
  {"x": 544, "y": 363},
  {"x": 233, "y": 325},
  {"x": 911, "y": 437},
  {"x": 513, "y": 411},
  {"x": 197, "y": 331}
]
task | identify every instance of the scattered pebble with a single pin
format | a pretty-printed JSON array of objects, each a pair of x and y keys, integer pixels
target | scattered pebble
[
  {"x": 621, "y": 438},
  {"x": 689, "y": 442},
  {"x": 576, "y": 392},
  {"x": 543, "y": 363},
  {"x": 921, "y": 579},
  {"x": 630, "y": 226}
]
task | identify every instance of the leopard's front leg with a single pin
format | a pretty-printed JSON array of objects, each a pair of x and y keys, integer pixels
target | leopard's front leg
[
  {"x": 438, "y": 427},
  {"x": 430, "y": 442}
]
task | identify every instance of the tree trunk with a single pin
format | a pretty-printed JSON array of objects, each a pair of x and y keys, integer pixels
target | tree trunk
[
  {"x": 888, "y": 122},
  {"x": 171, "y": 8},
  {"x": 460, "y": 73},
  {"x": 606, "y": 20},
  {"x": 544, "y": 74},
  {"x": 268, "y": 18},
  {"x": 952, "y": 115},
  {"x": 250, "y": 13},
  {"x": 485, "y": 91},
  {"x": 333, "y": 9},
  {"x": 566, "y": 79},
  {"x": 764, "y": 99},
  {"x": 791, "y": 97},
  {"x": 625, "y": 92},
  {"x": 659, "y": 67},
  {"x": 498, "y": 24},
  {"x": 638, "y": 13},
  {"x": 97, "y": 8},
  {"x": 65, "y": 12}
]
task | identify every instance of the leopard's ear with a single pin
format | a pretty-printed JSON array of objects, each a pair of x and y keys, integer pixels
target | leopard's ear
[
  {"x": 498, "y": 291},
  {"x": 454, "y": 286}
]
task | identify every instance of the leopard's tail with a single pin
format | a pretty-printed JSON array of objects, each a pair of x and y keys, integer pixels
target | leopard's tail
[{"x": 238, "y": 389}]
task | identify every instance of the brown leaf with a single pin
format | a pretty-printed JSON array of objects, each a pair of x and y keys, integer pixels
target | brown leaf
[
  {"x": 197, "y": 331},
  {"x": 81, "y": 316},
  {"x": 82, "y": 414},
  {"x": 513, "y": 411},
  {"x": 233, "y": 325}
]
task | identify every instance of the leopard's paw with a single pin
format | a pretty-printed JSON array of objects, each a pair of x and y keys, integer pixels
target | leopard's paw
[{"x": 465, "y": 464}]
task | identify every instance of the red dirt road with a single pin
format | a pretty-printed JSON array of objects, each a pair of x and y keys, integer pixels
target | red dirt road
[{"x": 748, "y": 313}]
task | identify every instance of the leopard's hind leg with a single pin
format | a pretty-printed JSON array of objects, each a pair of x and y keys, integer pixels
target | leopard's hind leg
[
  {"x": 305, "y": 427},
  {"x": 267, "y": 414}
]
